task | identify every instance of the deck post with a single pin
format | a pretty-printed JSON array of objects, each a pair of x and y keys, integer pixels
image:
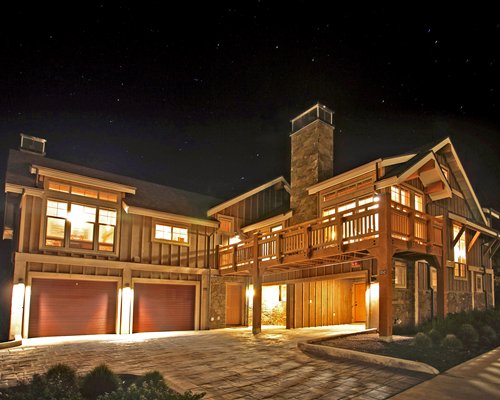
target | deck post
[
  {"x": 257, "y": 289},
  {"x": 384, "y": 261},
  {"x": 442, "y": 275}
]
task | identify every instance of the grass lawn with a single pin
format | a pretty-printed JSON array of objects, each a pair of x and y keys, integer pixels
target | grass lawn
[{"x": 403, "y": 347}]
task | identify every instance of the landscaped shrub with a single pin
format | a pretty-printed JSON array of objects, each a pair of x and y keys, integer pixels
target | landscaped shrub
[
  {"x": 150, "y": 386},
  {"x": 435, "y": 336},
  {"x": 451, "y": 342},
  {"x": 468, "y": 335},
  {"x": 422, "y": 340},
  {"x": 59, "y": 382},
  {"x": 487, "y": 335},
  {"x": 99, "y": 381}
]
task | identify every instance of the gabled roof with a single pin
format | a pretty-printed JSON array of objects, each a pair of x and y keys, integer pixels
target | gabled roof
[
  {"x": 401, "y": 166},
  {"x": 147, "y": 195},
  {"x": 250, "y": 193}
]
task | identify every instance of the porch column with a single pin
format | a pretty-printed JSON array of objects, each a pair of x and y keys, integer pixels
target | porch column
[
  {"x": 384, "y": 261},
  {"x": 257, "y": 289},
  {"x": 126, "y": 304},
  {"x": 442, "y": 271},
  {"x": 17, "y": 301}
]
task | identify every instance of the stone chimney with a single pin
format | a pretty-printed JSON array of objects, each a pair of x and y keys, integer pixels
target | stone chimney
[
  {"x": 32, "y": 144},
  {"x": 311, "y": 160}
]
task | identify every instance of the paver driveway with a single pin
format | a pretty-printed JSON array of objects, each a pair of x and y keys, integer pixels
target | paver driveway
[{"x": 226, "y": 364}]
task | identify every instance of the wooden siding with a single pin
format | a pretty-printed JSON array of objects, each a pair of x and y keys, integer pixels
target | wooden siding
[
  {"x": 267, "y": 203},
  {"x": 134, "y": 240},
  {"x": 324, "y": 302}
]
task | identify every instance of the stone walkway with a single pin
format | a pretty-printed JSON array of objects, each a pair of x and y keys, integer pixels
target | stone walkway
[{"x": 226, "y": 364}]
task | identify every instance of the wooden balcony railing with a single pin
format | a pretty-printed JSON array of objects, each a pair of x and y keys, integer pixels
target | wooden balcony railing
[{"x": 330, "y": 236}]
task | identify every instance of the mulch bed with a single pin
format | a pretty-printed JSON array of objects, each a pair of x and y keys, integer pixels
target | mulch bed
[{"x": 403, "y": 347}]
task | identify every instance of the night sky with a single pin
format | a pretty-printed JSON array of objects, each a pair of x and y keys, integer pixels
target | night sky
[{"x": 201, "y": 98}]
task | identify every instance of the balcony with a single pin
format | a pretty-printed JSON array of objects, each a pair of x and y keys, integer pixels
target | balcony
[{"x": 333, "y": 239}]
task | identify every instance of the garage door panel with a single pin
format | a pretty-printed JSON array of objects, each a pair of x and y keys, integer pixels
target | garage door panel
[
  {"x": 62, "y": 307},
  {"x": 162, "y": 307}
]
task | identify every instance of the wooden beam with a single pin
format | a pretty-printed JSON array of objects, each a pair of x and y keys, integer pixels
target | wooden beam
[
  {"x": 434, "y": 187},
  {"x": 428, "y": 166},
  {"x": 459, "y": 235},
  {"x": 472, "y": 241}
]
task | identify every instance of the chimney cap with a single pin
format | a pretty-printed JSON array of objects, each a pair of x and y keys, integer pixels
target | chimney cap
[
  {"x": 32, "y": 144},
  {"x": 317, "y": 111}
]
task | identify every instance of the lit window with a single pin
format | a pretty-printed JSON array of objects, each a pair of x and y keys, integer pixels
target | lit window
[
  {"x": 82, "y": 220},
  {"x": 57, "y": 212},
  {"x": 328, "y": 211},
  {"x": 107, "y": 223},
  {"x": 171, "y": 233},
  {"x": 79, "y": 191},
  {"x": 366, "y": 200},
  {"x": 108, "y": 197},
  {"x": 346, "y": 207},
  {"x": 400, "y": 195},
  {"x": 235, "y": 239},
  {"x": 400, "y": 276},
  {"x": 459, "y": 253},
  {"x": 58, "y": 187},
  {"x": 434, "y": 279},
  {"x": 276, "y": 228},
  {"x": 419, "y": 202}
]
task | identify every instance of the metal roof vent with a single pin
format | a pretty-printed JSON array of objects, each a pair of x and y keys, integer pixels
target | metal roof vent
[{"x": 32, "y": 144}]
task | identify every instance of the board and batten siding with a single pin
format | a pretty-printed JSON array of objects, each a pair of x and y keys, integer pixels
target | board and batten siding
[
  {"x": 134, "y": 239},
  {"x": 261, "y": 205}
]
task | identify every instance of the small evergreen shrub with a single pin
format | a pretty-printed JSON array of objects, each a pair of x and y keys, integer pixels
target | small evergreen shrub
[
  {"x": 435, "y": 336},
  {"x": 468, "y": 335},
  {"x": 99, "y": 381},
  {"x": 451, "y": 342},
  {"x": 422, "y": 340},
  {"x": 488, "y": 336}
]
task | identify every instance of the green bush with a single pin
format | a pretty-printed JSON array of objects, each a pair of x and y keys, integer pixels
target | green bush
[
  {"x": 422, "y": 340},
  {"x": 59, "y": 382},
  {"x": 468, "y": 335},
  {"x": 435, "y": 336},
  {"x": 451, "y": 342},
  {"x": 99, "y": 381},
  {"x": 488, "y": 336}
]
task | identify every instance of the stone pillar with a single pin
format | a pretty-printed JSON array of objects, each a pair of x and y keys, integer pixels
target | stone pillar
[
  {"x": 311, "y": 162},
  {"x": 384, "y": 261},
  {"x": 126, "y": 302}
]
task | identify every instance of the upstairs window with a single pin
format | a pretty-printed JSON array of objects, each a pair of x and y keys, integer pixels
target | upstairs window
[
  {"x": 75, "y": 226},
  {"x": 57, "y": 212},
  {"x": 400, "y": 195},
  {"x": 81, "y": 191},
  {"x": 459, "y": 253},
  {"x": 171, "y": 233},
  {"x": 419, "y": 202}
]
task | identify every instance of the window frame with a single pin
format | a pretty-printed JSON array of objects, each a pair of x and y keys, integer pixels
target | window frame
[
  {"x": 70, "y": 200},
  {"x": 459, "y": 267},
  {"x": 404, "y": 268},
  {"x": 478, "y": 278},
  {"x": 171, "y": 226}
]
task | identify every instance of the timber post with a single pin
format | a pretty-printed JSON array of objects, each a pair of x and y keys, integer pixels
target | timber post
[
  {"x": 442, "y": 275},
  {"x": 384, "y": 261},
  {"x": 257, "y": 289}
]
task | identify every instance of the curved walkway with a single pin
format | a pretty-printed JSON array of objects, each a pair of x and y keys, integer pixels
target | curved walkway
[{"x": 226, "y": 363}]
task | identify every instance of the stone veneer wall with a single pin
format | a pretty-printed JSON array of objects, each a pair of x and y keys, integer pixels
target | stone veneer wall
[
  {"x": 403, "y": 300},
  {"x": 425, "y": 305},
  {"x": 217, "y": 312},
  {"x": 459, "y": 301},
  {"x": 311, "y": 162}
]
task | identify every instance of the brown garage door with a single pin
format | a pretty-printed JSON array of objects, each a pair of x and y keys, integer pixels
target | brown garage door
[
  {"x": 159, "y": 307},
  {"x": 71, "y": 307}
]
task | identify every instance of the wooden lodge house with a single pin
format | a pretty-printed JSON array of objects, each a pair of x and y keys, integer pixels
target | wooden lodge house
[{"x": 395, "y": 241}]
